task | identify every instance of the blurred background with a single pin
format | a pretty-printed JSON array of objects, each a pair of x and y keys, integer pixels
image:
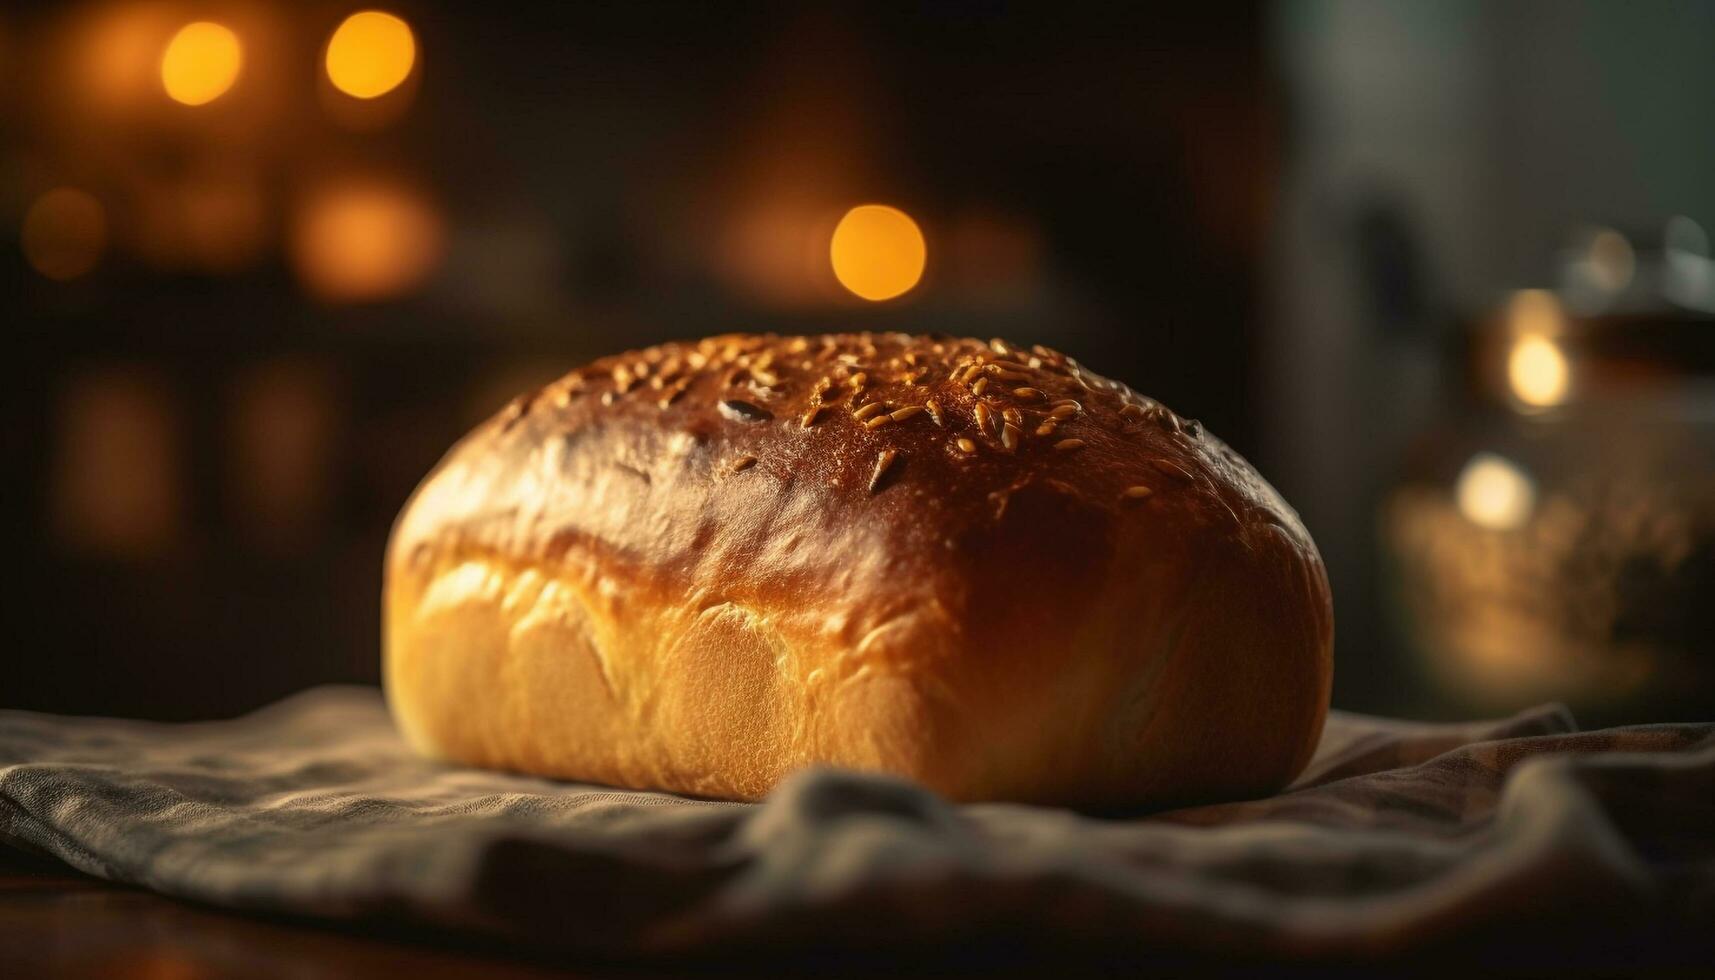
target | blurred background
[{"x": 1443, "y": 271}]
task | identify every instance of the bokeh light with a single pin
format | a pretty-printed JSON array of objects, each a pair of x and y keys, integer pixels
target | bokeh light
[
  {"x": 64, "y": 233},
  {"x": 370, "y": 54},
  {"x": 878, "y": 252},
  {"x": 1495, "y": 493},
  {"x": 201, "y": 63},
  {"x": 1537, "y": 371},
  {"x": 112, "y": 60},
  {"x": 366, "y": 241}
]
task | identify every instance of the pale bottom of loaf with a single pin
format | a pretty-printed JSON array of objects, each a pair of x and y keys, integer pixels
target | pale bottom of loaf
[{"x": 492, "y": 664}]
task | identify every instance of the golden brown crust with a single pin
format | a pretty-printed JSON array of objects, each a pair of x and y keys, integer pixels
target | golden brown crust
[{"x": 702, "y": 565}]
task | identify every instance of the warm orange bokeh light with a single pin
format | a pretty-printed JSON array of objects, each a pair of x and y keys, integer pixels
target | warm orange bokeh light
[
  {"x": 113, "y": 60},
  {"x": 201, "y": 62},
  {"x": 1537, "y": 372},
  {"x": 366, "y": 241},
  {"x": 370, "y": 54},
  {"x": 1493, "y": 492},
  {"x": 878, "y": 252},
  {"x": 1535, "y": 311},
  {"x": 64, "y": 233}
]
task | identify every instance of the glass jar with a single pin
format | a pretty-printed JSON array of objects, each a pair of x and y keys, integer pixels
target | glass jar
[{"x": 1553, "y": 537}]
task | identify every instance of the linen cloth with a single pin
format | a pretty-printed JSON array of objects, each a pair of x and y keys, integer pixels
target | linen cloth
[{"x": 1520, "y": 838}]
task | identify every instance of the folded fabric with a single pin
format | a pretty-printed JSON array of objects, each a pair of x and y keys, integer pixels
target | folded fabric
[{"x": 1522, "y": 838}]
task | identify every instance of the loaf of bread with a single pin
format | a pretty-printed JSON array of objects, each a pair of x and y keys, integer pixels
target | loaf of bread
[{"x": 702, "y": 566}]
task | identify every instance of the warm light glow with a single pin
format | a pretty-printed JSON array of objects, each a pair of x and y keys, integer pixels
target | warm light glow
[
  {"x": 366, "y": 241},
  {"x": 1535, "y": 311},
  {"x": 1493, "y": 492},
  {"x": 878, "y": 252},
  {"x": 1537, "y": 371},
  {"x": 370, "y": 54},
  {"x": 201, "y": 63},
  {"x": 64, "y": 233},
  {"x": 114, "y": 58}
]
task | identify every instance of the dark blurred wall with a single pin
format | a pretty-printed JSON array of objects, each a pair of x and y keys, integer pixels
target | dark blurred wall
[{"x": 204, "y": 462}]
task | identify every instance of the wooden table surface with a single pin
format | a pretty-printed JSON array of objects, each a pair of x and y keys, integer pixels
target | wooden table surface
[{"x": 57, "y": 923}]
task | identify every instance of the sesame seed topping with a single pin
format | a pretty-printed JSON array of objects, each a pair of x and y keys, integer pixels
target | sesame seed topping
[
  {"x": 980, "y": 387},
  {"x": 1028, "y": 394},
  {"x": 811, "y": 415},
  {"x": 999, "y": 346},
  {"x": 672, "y": 394},
  {"x": 1046, "y": 428},
  {"x": 1013, "y": 415},
  {"x": 868, "y": 410},
  {"x": 1067, "y": 445},
  {"x": 858, "y": 380},
  {"x": 905, "y": 413},
  {"x": 1171, "y": 469},
  {"x": 882, "y": 462},
  {"x": 982, "y": 417},
  {"x": 1006, "y": 375},
  {"x": 609, "y": 397},
  {"x": 966, "y": 445},
  {"x": 1059, "y": 412},
  {"x": 934, "y": 408},
  {"x": 1009, "y": 436},
  {"x": 1137, "y": 492},
  {"x": 877, "y": 422},
  {"x": 743, "y": 463}
]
